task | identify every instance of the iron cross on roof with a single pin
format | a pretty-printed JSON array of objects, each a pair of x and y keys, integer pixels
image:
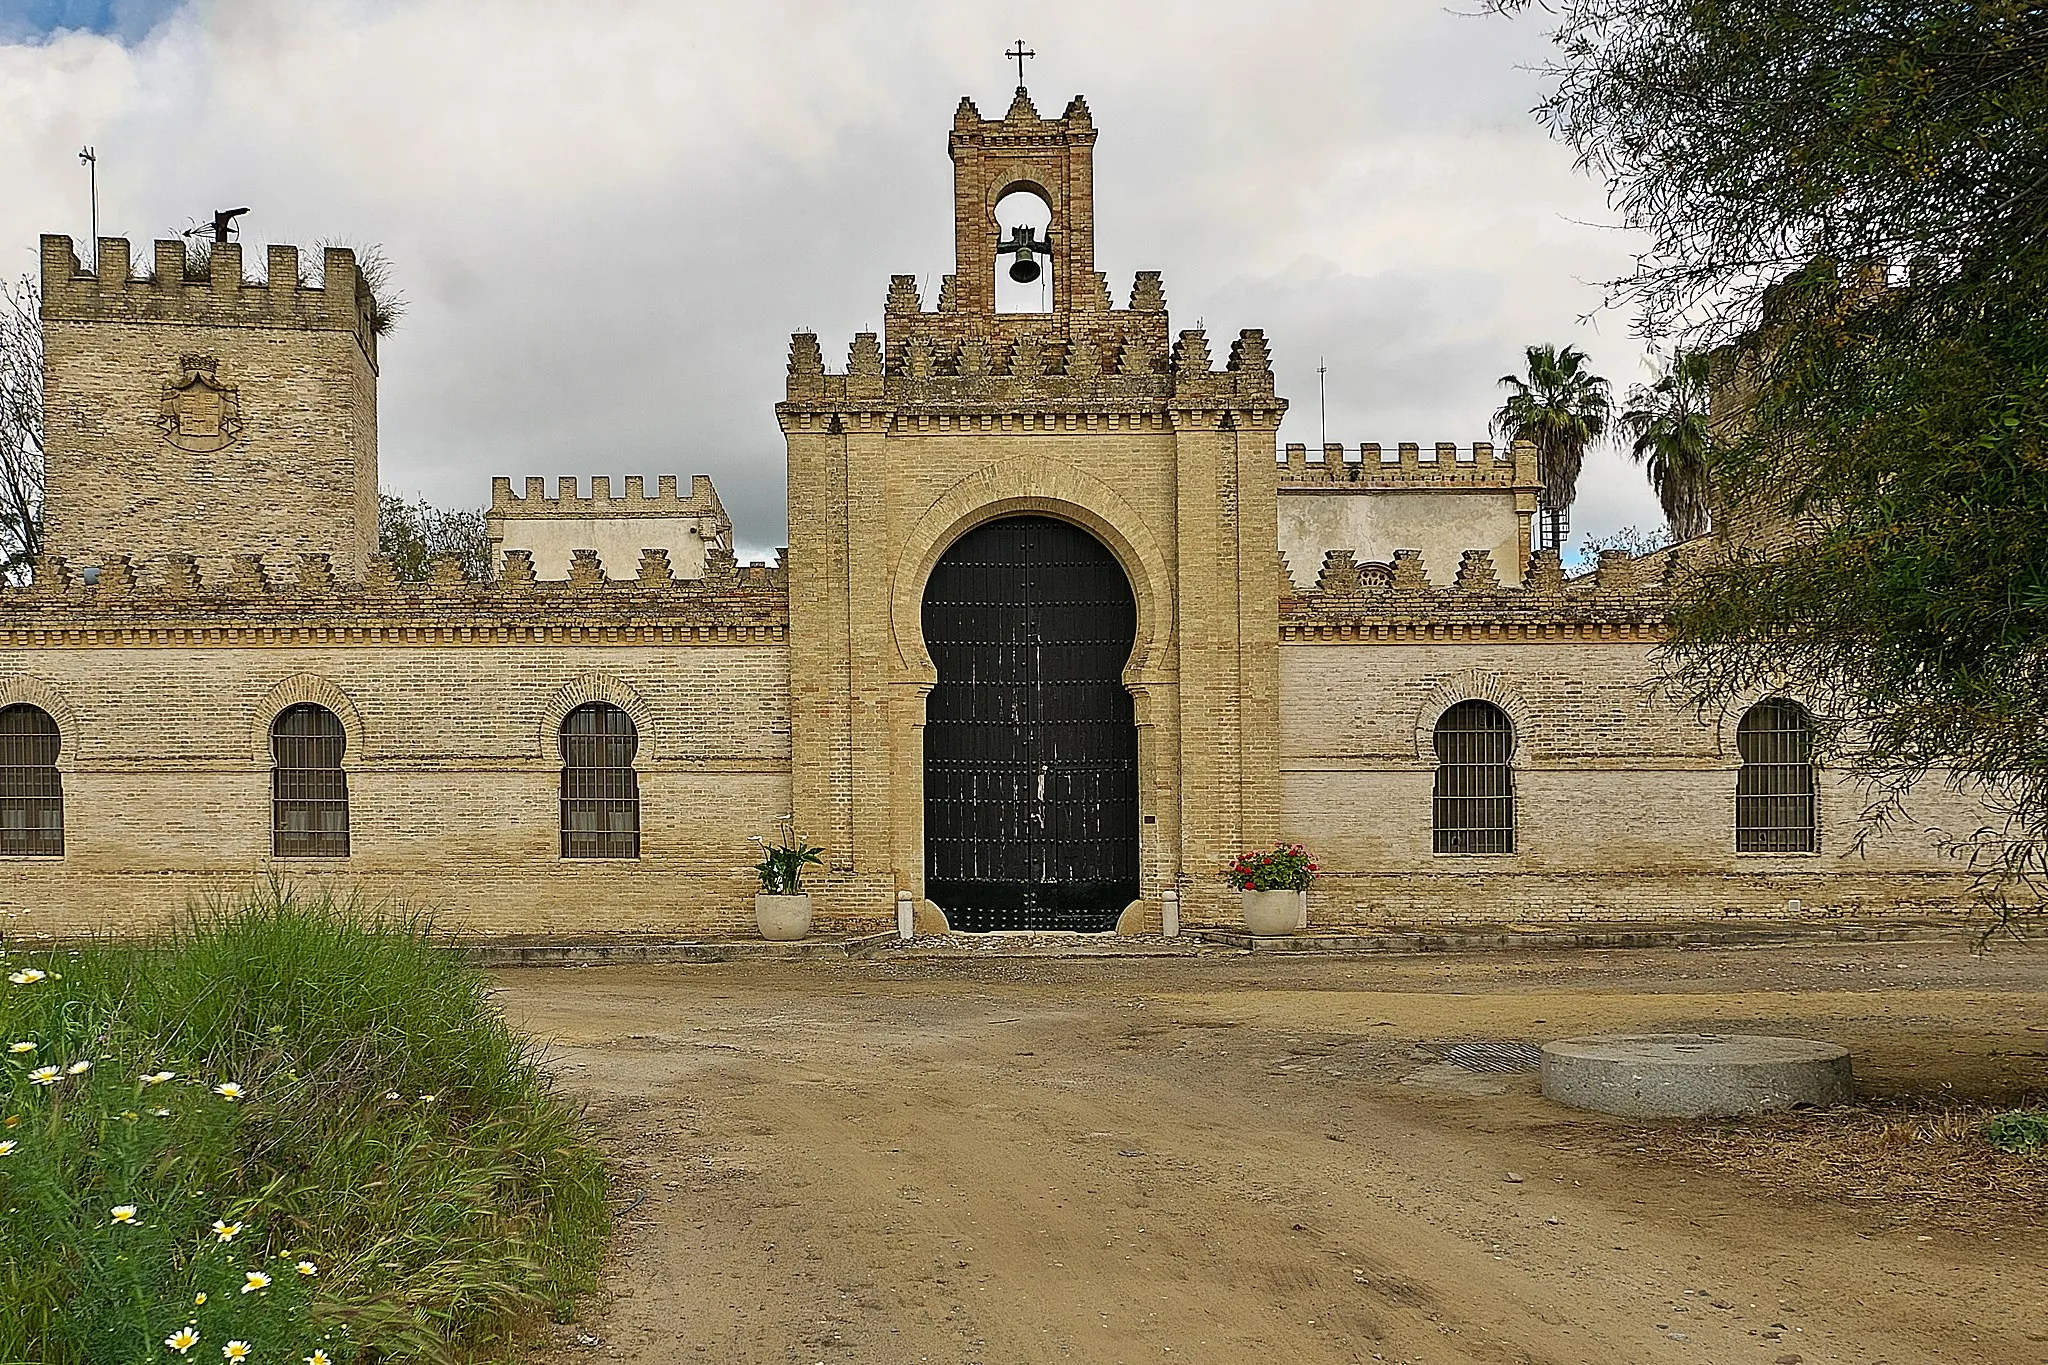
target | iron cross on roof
[{"x": 1018, "y": 54}]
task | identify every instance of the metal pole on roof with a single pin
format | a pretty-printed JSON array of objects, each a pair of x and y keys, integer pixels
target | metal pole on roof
[
  {"x": 1322, "y": 402},
  {"x": 92, "y": 181}
]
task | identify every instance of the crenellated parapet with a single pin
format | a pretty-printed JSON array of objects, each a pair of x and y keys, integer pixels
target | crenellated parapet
[
  {"x": 615, "y": 530},
  {"x": 1445, "y": 464},
  {"x": 567, "y": 501},
  {"x": 1625, "y": 599},
  {"x": 1087, "y": 342},
  {"x": 1365, "y": 498},
  {"x": 1031, "y": 372},
  {"x": 302, "y": 599},
  {"x": 165, "y": 291}
]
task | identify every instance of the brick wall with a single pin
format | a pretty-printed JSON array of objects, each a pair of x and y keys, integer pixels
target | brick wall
[
  {"x": 1624, "y": 802},
  {"x": 300, "y": 473}
]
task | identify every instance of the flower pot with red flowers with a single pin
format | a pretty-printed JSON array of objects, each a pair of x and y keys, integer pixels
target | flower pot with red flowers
[{"x": 1272, "y": 884}]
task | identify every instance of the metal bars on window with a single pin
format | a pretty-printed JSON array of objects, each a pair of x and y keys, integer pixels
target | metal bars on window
[
  {"x": 308, "y": 789},
  {"x": 1774, "y": 804},
  {"x": 600, "y": 789},
  {"x": 31, "y": 790},
  {"x": 1473, "y": 808}
]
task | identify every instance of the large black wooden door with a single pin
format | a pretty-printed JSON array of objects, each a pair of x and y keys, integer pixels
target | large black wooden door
[{"x": 1030, "y": 751}]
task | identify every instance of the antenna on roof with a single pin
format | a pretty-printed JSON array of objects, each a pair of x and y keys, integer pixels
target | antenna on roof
[{"x": 1322, "y": 402}]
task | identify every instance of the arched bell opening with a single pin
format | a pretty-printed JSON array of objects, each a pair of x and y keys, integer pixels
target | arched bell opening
[
  {"x": 1030, "y": 736},
  {"x": 1024, "y": 281}
]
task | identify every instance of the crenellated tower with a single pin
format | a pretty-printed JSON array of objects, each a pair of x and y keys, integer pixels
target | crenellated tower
[
  {"x": 194, "y": 412},
  {"x": 1085, "y": 415}
]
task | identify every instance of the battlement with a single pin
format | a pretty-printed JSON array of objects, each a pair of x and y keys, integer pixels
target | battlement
[
  {"x": 248, "y": 585},
  {"x": 1624, "y": 598},
  {"x": 635, "y": 501},
  {"x": 1409, "y": 465},
  {"x": 1091, "y": 313},
  {"x": 162, "y": 294},
  {"x": 1017, "y": 363},
  {"x": 552, "y": 531},
  {"x": 1022, "y": 124}
]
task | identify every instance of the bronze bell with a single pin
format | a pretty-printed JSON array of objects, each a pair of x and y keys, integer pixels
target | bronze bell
[{"x": 1023, "y": 244}]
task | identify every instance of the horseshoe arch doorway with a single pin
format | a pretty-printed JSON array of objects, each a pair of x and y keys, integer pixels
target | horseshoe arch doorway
[{"x": 1030, "y": 745}]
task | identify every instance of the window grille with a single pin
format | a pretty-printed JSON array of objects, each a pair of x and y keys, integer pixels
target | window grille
[
  {"x": 1774, "y": 803},
  {"x": 31, "y": 790},
  {"x": 308, "y": 790},
  {"x": 600, "y": 790},
  {"x": 1473, "y": 810}
]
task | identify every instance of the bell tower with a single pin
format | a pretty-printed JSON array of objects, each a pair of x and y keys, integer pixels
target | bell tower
[
  {"x": 965, "y": 426},
  {"x": 1053, "y": 159}
]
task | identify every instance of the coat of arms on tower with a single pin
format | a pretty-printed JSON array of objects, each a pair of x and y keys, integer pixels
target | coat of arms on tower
[{"x": 200, "y": 414}]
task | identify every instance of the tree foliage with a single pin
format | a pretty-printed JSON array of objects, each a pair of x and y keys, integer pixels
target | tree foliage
[
  {"x": 1633, "y": 541},
  {"x": 1562, "y": 408},
  {"x": 1850, "y": 198},
  {"x": 21, "y": 429},
  {"x": 412, "y": 534},
  {"x": 1665, "y": 427}
]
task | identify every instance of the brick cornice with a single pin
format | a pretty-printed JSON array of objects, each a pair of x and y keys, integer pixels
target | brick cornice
[{"x": 1428, "y": 615}]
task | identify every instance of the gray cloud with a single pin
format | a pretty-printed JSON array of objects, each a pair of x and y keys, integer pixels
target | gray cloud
[{"x": 607, "y": 227}]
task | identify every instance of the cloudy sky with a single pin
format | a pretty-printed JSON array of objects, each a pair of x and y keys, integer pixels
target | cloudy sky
[{"x": 607, "y": 217}]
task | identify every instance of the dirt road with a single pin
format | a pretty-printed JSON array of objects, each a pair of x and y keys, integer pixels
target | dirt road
[{"x": 965, "y": 1158}]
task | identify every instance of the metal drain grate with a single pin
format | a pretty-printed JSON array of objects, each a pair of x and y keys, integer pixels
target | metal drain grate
[{"x": 1490, "y": 1055}]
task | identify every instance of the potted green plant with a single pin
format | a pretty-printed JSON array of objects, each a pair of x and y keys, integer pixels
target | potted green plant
[
  {"x": 782, "y": 910},
  {"x": 1272, "y": 884}
]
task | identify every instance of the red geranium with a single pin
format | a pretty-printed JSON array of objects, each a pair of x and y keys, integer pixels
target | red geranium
[{"x": 1284, "y": 867}]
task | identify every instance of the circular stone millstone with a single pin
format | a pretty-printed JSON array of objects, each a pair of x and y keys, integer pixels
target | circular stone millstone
[{"x": 1694, "y": 1075}]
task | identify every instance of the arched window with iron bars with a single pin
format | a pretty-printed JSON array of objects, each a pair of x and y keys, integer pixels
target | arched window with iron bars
[
  {"x": 600, "y": 789},
  {"x": 308, "y": 789},
  {"x": 31, "y": 788},
  {"x": 1473, "y": 807},
  {"x": 1775, "y": 811}
]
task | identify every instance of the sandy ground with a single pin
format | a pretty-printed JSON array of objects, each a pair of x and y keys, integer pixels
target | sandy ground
[{"x": 964, "y": 1158}]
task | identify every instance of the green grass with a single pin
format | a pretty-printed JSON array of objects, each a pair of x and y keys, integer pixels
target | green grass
[
  {"x": 2021, "y": 1131},
  {"x": 393, "y": 1132}
]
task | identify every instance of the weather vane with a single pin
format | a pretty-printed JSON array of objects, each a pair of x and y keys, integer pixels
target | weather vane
[
  {"x": 1018, "y": 54},
  {"x": 90, "y": 160}
]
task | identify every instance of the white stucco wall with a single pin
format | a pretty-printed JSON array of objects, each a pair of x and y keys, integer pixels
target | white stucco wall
[
  {"x": 1443, "y": 523},
  {"x": 617, "y": 540}
]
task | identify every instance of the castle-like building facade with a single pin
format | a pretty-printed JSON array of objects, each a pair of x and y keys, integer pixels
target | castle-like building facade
[{"x": 1059, "y": 630}]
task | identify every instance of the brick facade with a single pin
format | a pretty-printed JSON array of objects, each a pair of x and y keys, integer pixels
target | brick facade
[
  {"x": 286, "y": 461},
  {"x": 213, "y": 457}
]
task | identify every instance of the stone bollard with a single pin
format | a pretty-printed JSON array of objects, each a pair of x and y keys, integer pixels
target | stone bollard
[
  {"x": 1169, "y": 913},
  {"x": 906, "y": 916}
]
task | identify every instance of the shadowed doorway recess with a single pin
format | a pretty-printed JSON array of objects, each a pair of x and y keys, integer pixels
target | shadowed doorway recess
[{"x": 1030, "y": 748}]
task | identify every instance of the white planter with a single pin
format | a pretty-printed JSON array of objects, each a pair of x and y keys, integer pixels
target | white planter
[
  {"x": 782, "y": 919},
  {"x": 1269, "y": 914}
]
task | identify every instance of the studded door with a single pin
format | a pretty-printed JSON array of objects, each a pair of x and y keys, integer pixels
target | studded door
[{"x": 1030, "y": 749}]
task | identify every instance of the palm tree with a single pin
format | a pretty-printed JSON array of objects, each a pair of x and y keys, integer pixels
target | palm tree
[
  {"x": 1562, "y": 408},
  {"x": 1667, "y": 425}
]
